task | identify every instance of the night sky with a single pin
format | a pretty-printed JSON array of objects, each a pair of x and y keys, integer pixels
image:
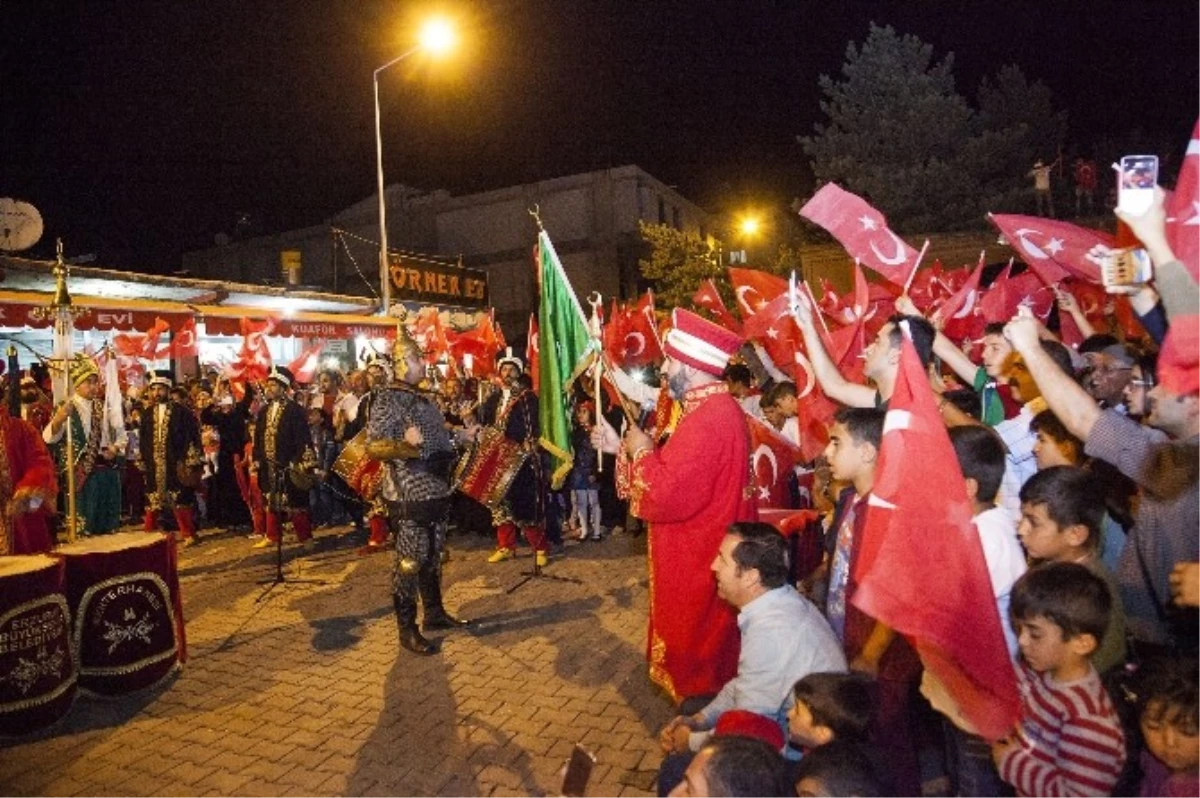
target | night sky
[{"x": 142, "y": 129}]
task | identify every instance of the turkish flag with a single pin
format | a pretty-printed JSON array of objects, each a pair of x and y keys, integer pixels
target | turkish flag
[
  {"x": 429, "y": 334},
  {"x": 863, "y": 231},
  {"x": 184, "y": 342},
  {"x": 531, "y": 352},
  {"x": 1006, "y": 295},
  {"x": 482, "y": 343},
  {"x": 772, "y": 459},
  {"x": 1183, "y": 209},
  {"x": 253, "y": 361},
  {"x": 754, "y": 289},
  {"x": 641, "y": 342},
  {"x": 144, "y": 346},
  {"x": 1092, "y": 300},
  {"x": 613, "y": 336},
  {"x": 304, "y": 367},
  {"x": 959, "y": 308},
  {"x": 1055, "y": 250},
  {"x": 706, "y": 297},
  {"x": 955, "y": 629}
]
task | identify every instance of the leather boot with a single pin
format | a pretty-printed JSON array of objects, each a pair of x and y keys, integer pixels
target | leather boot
[
  {"x": 436, "y": 617},
  {"x": 410, "y": 636}
]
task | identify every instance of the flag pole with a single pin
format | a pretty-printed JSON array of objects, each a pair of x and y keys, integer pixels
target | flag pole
[
  {"x": 595, "y": 300},
  {"x": 917, "y": 265},
  {"x": 816, "y": 309}
]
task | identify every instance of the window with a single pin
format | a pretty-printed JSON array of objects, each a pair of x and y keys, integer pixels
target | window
[
  {"x": 676, "y": 219},
  {"x": 662, "y": 211}
]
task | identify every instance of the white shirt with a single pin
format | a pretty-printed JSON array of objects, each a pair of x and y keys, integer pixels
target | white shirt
[
  {"x": 84, "y": 408},
  {"x": 1020, "y": 464},
  {"x": 1005, "y": 563}
]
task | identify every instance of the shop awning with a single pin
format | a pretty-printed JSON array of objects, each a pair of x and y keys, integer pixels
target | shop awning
[{"x": 125, "y": 301}]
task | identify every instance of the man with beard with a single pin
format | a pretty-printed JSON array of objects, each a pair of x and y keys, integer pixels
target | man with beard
[
  {"x": 284, "y": 459},
  {"x": 98, "y": 442},
  {"x": 407, "y": 434},
  {"x": 514, "y": 410},
  {"x": 689, "y": 491},
  {"x": 170, "y": 445}
]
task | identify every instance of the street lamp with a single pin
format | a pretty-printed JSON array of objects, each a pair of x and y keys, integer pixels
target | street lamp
[{"x": 436, "y": 38}]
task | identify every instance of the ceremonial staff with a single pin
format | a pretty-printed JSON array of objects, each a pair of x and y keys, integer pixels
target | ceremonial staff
[
  {"x": 596, "y": 329},
  {"x": 63, "y": 312}
]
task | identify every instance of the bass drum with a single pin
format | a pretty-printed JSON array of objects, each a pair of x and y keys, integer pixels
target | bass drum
[
  {"x": 487, "y": 470},
  {"x": 360, "y": 472}
]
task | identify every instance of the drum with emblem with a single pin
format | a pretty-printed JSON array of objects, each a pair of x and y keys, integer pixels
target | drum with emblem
[
  {"x": 37, "y": 670},
  {"x": 126, "y": 613},
  {"x": 488, "y": 468}
]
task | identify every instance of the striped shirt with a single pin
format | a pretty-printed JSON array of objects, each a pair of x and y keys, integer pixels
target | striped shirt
[{"x": 1070, "y": 740}]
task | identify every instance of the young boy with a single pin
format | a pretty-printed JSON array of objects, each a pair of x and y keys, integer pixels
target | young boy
[
  {"x": 1167, "y": 708},
  {"x": 1069, "y": 739},
  {"x": 871, "y": 647},
  {"x": 829, "y": 706},
  {"x": 1062, "y": 510},
  {"x": 982, "y": 459}
]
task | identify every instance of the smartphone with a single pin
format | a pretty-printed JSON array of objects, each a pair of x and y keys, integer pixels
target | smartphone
[
  {"x": 1137, "y": 178},
  {"x": 1126, "y": 267},
  {"x": 578, "y": 772}
]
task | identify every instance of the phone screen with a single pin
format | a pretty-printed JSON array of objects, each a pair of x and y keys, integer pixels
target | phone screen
[
  {"x": 579, "y": 772},
  {"x": 1136, "y": 181}
]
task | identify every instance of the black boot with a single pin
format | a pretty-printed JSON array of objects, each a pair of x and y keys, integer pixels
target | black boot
[
  {"x": 436, "y": 617},
  {"x": 410, "y": 635}
]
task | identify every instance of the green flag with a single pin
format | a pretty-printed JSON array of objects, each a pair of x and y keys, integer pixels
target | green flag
[{"x": 565, "y": 349}]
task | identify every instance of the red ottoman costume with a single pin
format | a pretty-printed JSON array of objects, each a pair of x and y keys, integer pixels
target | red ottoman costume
[
  {"x": 690, "y": 491},
  {"x": 26, "y": 473}
]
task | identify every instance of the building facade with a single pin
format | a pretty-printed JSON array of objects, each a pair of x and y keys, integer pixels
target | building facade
[{"x": 592, "y": 219}]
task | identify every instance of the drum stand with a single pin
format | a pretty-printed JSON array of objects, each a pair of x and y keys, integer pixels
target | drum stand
[
  {"x": 537, "y": 573},
  {"x": 279, "y": 578}
]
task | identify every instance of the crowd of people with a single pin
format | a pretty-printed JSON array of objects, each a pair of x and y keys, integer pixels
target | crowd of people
[{"x": 1080, "y": 464}]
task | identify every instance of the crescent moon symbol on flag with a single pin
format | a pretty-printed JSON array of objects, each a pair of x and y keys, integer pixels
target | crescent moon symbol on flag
[
  {"x": 641, "y": 340},
  {"x": 896, "y": 259},
  {"x": 186, "y": 338},
  {"x": 809, "y": 379},
  {"x": 764, "y": 450},
  {"x": 741, "y": 292},
  {"x": 1030, "y": 247},
  {"x": 968, "y": 305}
]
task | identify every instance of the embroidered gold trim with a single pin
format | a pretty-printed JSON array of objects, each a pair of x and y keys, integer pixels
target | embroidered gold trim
[
  {"x": 123, "y": 670},
  {"x": 60, "y": 601}
]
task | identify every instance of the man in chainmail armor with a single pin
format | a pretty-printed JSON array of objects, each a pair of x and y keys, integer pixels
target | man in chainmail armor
[{"x": 406, "y": 432}]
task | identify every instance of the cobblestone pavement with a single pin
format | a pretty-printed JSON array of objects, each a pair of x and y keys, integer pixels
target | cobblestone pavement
[{"x": 307, "y": 693}]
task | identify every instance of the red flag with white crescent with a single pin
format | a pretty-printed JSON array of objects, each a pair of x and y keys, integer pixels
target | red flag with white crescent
[
  {"x": 184, "y": 342},
  {"x": 772, "y": 459},
  {"x": 955, "y": 629},
  {"x": 1183, "y": 209},
  {"x": 640, "y": 342},
  {"x": 304, "y": 367},
  {"x": 754, "y": 289},
  {"x": 1054, "y": 250},
  {"x": 863, "y": 231},
  {"x": 708, "y": 298}
]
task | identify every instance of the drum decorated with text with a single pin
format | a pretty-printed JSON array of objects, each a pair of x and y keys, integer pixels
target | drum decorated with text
[
  {"x": 126, "y": 614},
  {"x": 37, "y": 671}
]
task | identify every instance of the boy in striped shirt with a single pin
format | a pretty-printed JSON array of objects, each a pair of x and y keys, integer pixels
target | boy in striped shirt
[{"x": 1069, "y": 740}]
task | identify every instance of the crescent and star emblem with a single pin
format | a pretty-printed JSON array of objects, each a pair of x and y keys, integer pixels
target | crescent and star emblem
[
  {"x": 641, "y": 342},
  {"x": 762, "y": 451},
  {"x": 809, "y": 380},
  {"x": 741, "y": 292},
  {"x": 898, "y": 257}
]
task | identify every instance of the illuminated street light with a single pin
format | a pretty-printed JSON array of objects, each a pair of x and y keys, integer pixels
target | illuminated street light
[
  {"x": 750, "y": 226},
  {"x": 437, "y": 38}
]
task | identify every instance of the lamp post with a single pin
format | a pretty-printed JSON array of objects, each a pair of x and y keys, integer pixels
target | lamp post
[{"x": 436, "y": 37}]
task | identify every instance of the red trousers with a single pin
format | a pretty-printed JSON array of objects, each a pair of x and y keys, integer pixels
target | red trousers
[
  {"x": 300, "y": 522},
  {"x": 184, "y": 516},
  {"x": 506, "y": 537}
]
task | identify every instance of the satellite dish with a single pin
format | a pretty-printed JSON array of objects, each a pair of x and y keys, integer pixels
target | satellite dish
[{"x": 20, "y": 225}]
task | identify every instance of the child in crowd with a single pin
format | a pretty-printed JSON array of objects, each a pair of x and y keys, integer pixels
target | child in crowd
[
  {"x": 981, "y": 457},
  {"x": 583, "y": 482},
  {"x": 829, "y": 706},
  {"x": 1167, "y": 709},
  {"x": 870, "y": 646},
  {"x": 837, "y": 769},
  {"x": 1062, "y": 509},
  {"x": 320, "y": 496},
  {"x": 1053, "y": 446},
  {"x": 1069, "y": 740}
]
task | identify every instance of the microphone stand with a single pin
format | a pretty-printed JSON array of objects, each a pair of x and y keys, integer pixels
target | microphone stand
[{"x": 277, "y": 491}]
